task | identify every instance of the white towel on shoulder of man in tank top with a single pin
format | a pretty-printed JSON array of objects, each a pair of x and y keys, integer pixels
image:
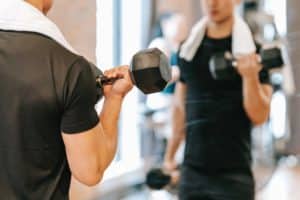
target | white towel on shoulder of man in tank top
[
  {"x": 18, "y": 15},
  {"x": 242, "y": 40}
]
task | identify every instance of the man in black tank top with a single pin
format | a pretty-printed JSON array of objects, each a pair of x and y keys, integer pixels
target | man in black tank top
[{"x": 215, "y": 117}]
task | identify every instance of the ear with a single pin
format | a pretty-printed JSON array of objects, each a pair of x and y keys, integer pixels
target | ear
[{"x": 47, "y": 5}]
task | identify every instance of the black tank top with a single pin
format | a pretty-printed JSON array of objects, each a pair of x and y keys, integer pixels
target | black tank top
[{"x": 217, "y": 127}]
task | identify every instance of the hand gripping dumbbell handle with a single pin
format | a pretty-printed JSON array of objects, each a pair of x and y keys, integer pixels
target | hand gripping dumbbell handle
[
  {"x": 228, "y": 55},
  {"x": 149, "y": 71},
  {"x": 104, "y": 80}
]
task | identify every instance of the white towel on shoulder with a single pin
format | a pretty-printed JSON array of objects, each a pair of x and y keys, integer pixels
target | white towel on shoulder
[
  {"x": 242, "y": 40},
  {"x": 18, "y": 15}
]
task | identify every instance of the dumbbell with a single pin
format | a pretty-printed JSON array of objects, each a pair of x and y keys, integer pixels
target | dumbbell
[
  {"x": 157, "y": 179},
  {"x": 222, "y": 65},
  {"x": 149, "y": 71}
]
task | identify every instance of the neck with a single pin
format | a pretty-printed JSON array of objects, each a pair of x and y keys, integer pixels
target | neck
[
  {"x": 36, "y": 3},
  {"x": 220, "y": 29}
]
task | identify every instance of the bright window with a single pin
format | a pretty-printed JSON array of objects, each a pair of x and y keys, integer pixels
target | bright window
[
  {"x": 279, "y": 10},
  {"x": 119, "y": 37}
]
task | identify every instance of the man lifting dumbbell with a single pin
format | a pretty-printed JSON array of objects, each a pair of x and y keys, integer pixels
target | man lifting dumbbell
[
  {"x": 49, "y": 128},
  {"x": 215, "y": 116}
]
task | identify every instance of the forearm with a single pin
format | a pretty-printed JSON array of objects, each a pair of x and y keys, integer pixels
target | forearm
[
  {"x": 256, "y": 100},
  {"x": 178, "y": 135},
  {"x": 109, "y": 118},
  {"x": 172, "y": 147}
]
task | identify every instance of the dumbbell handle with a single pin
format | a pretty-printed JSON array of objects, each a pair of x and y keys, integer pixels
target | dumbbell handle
[
  {"x": 104, "y": 80},
  {"x": 228, "y": 55}
]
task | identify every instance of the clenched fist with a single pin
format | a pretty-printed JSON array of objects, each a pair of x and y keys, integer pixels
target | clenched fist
[
  {"x": 249, "y": 66},
  {"x": 123, "y": 83}
]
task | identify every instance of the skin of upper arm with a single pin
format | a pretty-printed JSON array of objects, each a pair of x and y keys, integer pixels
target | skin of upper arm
[
  {"x": 82, "y": 151},
  {"x": 179, "y": 110},
  {"x": 268, "y": 90},
  {"x": 180, "y": 94},
  {"x": 263, "y": 116}
]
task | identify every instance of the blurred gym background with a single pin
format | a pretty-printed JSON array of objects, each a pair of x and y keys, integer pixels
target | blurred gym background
[{"x": 110, "y": 32}]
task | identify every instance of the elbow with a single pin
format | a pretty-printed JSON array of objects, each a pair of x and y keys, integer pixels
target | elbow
[
  {"x": 89, "y": 173},
  {"x": 258, "y": 116},
  {"x": 95, "y": 180},
  {"x": 260, "y": 119},
  {"x": 91, "y": 178}
]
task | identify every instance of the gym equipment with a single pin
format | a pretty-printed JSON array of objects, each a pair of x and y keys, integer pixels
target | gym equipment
[
  {"x": 156, "y": 179},
  {"x": 222, "y": 65},
  {"x": 150, "y": 72}
]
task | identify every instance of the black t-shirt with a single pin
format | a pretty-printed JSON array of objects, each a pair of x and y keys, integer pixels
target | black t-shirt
[
  {"x": 218, "y": 129},
  {"x": 45, "y": 90}
]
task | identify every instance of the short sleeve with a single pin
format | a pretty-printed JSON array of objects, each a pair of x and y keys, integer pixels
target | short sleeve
[{"x": 79, "y": 99}]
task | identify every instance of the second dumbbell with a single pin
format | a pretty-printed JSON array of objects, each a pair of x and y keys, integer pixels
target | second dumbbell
[{"x": 222, "y": 65}]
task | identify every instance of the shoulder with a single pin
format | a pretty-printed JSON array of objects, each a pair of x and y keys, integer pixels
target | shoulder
[{"x": 53, "y": 52}]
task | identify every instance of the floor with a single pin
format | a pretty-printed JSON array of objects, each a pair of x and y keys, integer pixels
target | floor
[{"x": 284, "y": 185}]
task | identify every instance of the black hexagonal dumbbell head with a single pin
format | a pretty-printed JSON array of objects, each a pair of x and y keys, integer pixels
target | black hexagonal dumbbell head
[
  {"x": 156, "y": 179},
  {"x": 150, "y": 70}
]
